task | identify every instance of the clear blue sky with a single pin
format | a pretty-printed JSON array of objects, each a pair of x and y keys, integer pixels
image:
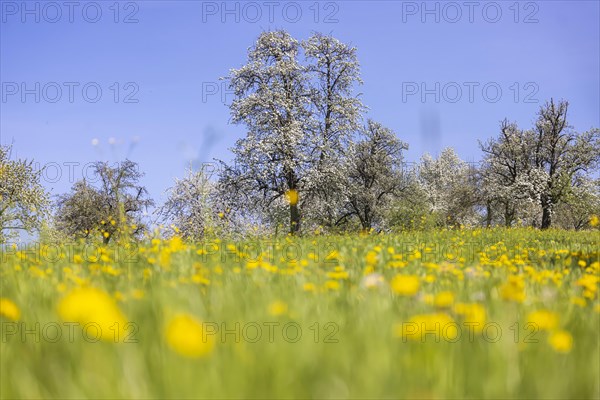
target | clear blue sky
[{"x": 175, "y": 53}]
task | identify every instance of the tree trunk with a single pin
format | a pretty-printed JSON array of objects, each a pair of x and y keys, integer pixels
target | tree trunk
[
  {"x": 508, "y": 215},
  {"x": 488, "y": 216},
  {"x": 367, "y": 223},
  {"x": 546, "y": 217},
  {"x": 294, "y": 219}
]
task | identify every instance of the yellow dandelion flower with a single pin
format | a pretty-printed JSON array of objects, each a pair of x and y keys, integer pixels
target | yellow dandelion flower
[
  {"x": 594, "y": 221},
  {"x": 292, "y": 196},
  {"x": 513, "y": 290},
  {"x": 185, "y": 335},
  {"x": 579, "y": 301},
  {"x": 89, "y": 305},
  {"x": 338, "y": 275},
  {"x": 334, "y": 255},
  {"x": 472, "y": 314},
  {"x": 9, "y": 309},
  {"x": 444, "y": 299},
  {"x": 589, "y": 282},
  {"x": 561, "y": 341},
  {"x": 278, "y": 308},
  {"x": 371, "y": 258},
  {"x": 333, "y": 285},
  {"x": 543, "y": 319},
  {"x": 309, "y": 287},
  {"x": 405, "y": 285}
]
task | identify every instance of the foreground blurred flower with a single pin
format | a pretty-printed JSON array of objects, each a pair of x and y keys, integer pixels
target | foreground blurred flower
[
  {"x": 309, "y": 287},
  {"x": 333, "y": 285},
  {"x": 185, "y": 335},
  {"x": 472, "y": 314},
  {"x": 277, "y": 308},
  {"x": 372, "y": 280},
  {"x": 513, "y": 290},
  {"x": 9, "y": 309},
  {"x": 561, "y": 341},
  {"x": 443, "y": 299},
  {"x": 371, "y": 258},
  {"x": 93, "y": 306},
  {"x": 405, "y": 285},
  {"x": 543, "y": 319},
  {"x": 589, "y": 282}
]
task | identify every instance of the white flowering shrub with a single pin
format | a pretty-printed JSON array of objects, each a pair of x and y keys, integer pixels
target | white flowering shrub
[{"x": 23, "y": 200}]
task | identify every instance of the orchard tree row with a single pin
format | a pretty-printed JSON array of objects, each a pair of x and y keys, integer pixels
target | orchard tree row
[{"x": 311, "y": 161}]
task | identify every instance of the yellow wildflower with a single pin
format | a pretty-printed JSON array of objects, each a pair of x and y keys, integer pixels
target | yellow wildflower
[
  {"x": 9, "y": 309},
  {"x": 589, "y": 282},
  {"x": 405, "y": 285},
  {"x": 333, "y": 285},
  {"x": 278, "y": 308},
  {"x": 561, "y": 341},
  {"x": 292, "y": 196},
  {"x": 185, "y": 335},
  {"x": 579, "y": 301},
  {"x": 89, "y": 305},
  {"x": 543, "y": 319},
  {"x": 309, "y": 287},
  {"x": 371, "y": 258},
  {"x": 443, "y": 299},
  {"x": 513, "y": 290},
  {"x": 472, "y": 314}
]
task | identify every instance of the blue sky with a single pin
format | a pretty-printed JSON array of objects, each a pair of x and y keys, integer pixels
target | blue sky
[{"x": 167, "y": 60}]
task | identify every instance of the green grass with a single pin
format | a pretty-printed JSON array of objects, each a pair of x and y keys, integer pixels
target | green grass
[{"x": 347, "y": 348}]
